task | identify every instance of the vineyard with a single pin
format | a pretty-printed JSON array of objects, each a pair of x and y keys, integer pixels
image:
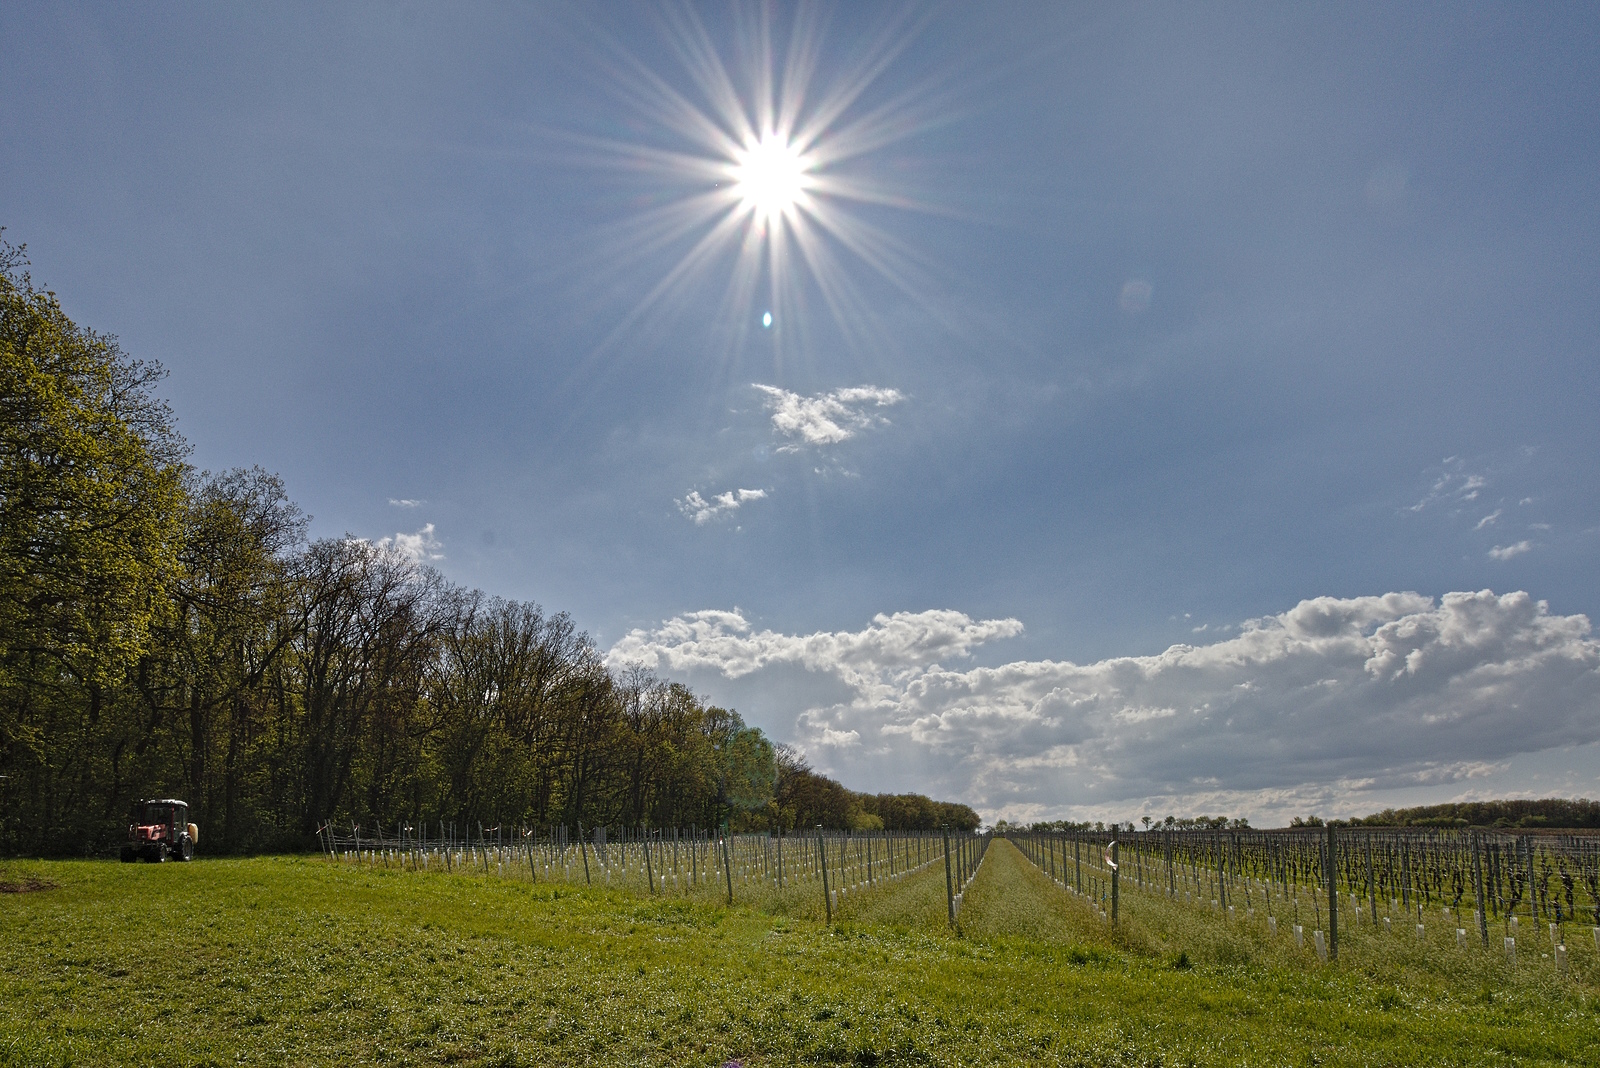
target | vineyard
[
  {"x": 809, "y": 875},
  {"x": 1367, "y": 891},
  {"x": 515, "y": 947},
  {"x": 1399, "y": 897}
]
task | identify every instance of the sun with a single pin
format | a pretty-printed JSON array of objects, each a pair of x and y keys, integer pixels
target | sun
[
  {"x": 764, "y": 170},
  {"x": 771, "y": 176}
]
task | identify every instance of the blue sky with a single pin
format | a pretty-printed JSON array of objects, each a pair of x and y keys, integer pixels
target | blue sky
[{"x": 1169, "y": 319}]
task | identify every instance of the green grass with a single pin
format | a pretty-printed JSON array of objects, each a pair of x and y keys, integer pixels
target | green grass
[{"x": 303, "y": 961}]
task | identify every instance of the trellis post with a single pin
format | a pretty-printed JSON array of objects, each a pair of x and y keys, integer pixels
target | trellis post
[
  {"x": 949, "y": 883},
  {"x": 1333, "y": 897},
  {"x": 827, "y": 895},
  {"x": 1477, "y": 887}
]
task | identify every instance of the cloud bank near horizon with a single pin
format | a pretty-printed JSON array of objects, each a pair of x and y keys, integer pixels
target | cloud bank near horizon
[{"x": 1334, "y": 698}]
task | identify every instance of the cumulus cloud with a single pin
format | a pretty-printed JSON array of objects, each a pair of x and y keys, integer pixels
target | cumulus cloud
[
  {"x": 420, "y": 546},
  {"x": 703, "y": 511},
  {"x": 1330, "y": 700},
  {"x": 826, "y": 418},
  {"x": 1506, "y": 552},
  {"x": 868, "y": 659}
]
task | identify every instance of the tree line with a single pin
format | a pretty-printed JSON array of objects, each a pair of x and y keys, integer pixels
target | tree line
[
  {"x": 1562, "y": 812},
  {"x": 170, "y": 632},
  {"x": 1171, "y": 823}
]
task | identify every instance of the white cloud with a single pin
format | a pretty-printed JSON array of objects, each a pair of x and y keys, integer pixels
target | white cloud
[
  {"x": 1489, "y": 519},
  {"x": 826, "y": 418},
  {"x": 725, "y": 642},
  {"x": 839, "y": 738},
  {"x": 1453, "y": 486},
  {"x": 420, "y": 547},
  {"x": 1323, "y": 706},
  {"x": 1506, "y": 552},
  {"x": 406, "y": 502},
  {"x": 703, "y": 511}
]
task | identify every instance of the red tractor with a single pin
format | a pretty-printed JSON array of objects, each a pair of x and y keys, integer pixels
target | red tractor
[{"x": 160, "y": 831}]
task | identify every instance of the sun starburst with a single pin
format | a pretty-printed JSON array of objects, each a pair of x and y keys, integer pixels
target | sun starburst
[
  {"x": 765, "y": 180},
  {"x": 771, "y": 176}
]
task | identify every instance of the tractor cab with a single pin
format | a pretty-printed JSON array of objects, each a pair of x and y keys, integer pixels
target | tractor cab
[{"x": 159, "y": 830}]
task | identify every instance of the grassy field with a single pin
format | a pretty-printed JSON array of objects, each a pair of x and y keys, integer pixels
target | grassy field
[{"x": 302, "y": 961}]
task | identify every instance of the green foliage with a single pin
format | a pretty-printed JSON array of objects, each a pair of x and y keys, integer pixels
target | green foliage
[
  {"x": 91, "y": 497},
  {"x": 914, "y": 812},
  {"x": 804, "y": 798},
  {"x": 90, "y": 486},
  {"x": 746, "y": 766}
]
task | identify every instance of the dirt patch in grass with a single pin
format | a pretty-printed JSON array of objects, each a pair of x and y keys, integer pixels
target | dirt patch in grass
[{"x": 28, "y": 884}]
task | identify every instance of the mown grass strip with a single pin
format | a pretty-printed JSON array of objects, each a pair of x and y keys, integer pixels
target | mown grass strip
[{"x": 1012, "y": 898}]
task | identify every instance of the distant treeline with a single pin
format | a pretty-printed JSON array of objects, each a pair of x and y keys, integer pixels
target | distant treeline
[
  {"x": 824, "y": 801},
  {"x": 166, "y": 632},
  {"x": 1546, "y": 812},
  {"x": 1148, "y": 823},
  {"x": 1553, "y": 812}
]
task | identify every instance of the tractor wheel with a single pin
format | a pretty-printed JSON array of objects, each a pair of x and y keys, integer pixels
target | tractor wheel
[
  {"x": 161, "y": 854},
  {"x": 186, "y": 850}
]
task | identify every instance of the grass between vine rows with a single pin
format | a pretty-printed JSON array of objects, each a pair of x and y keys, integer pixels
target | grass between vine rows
[{"x": 301, "y": 961}]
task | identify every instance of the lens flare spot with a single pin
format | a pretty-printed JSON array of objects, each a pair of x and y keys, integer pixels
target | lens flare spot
[{"x": 766, "y": 320}]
